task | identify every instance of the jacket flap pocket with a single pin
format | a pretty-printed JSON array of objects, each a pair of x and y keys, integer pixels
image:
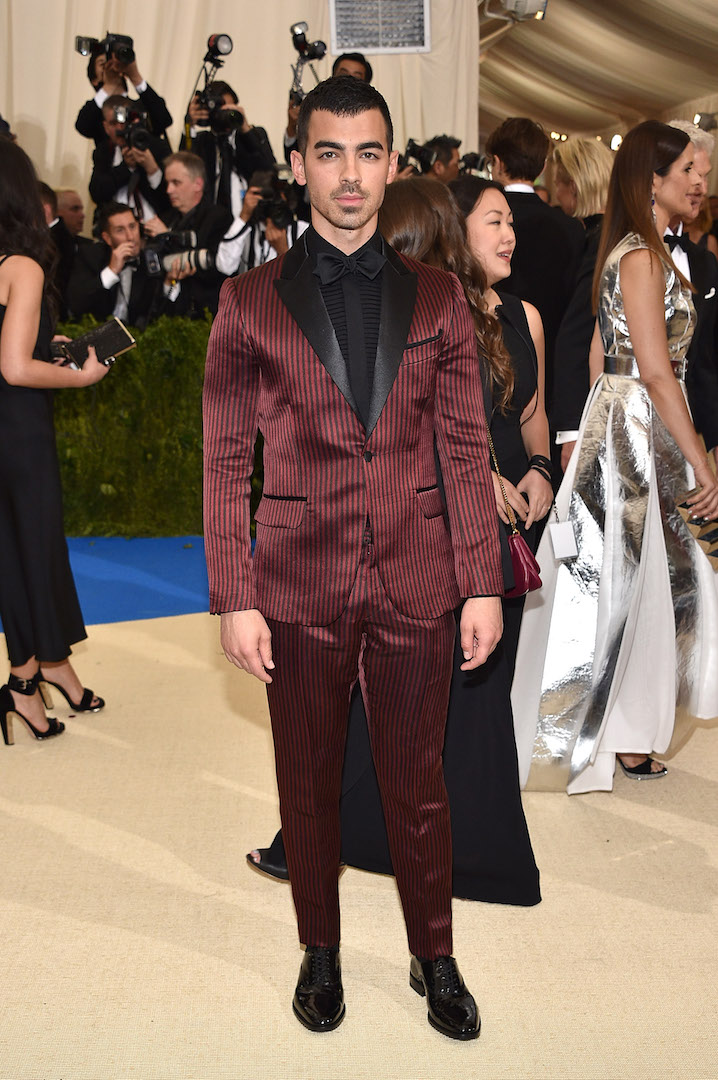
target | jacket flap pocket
[
  {"x": 280, "y": 512},
  {"x": 430, "y": 502}
]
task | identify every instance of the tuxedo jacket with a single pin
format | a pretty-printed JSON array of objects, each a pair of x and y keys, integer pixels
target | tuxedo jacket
[
  {"x": 274, "y": 364},
  {"x": 252, "y": 153},
  {"x": 545, "y": 263},
  {"x": 86, "y": 295},
  {"x": 201, "y": 290},
  {"x": 89, "y": 119},
  {"x": 702, "y": 367}
]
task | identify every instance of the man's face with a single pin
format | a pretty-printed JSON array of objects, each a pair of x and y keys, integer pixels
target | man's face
[
  {"x": 346, "y": 167},
  {"x": 701, "y": 171},
  {"x": 123, "y": 228},
  {"x": 353, "y": 68},
  {"x": 71, "y": 210},
  {"x": 183, "y": 191},
  {"x": 114, "y": 129},
  {"x": 447, "y": 171}
]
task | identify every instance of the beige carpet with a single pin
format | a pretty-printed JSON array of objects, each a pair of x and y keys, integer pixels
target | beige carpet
[{"x": 136, "y": 943}]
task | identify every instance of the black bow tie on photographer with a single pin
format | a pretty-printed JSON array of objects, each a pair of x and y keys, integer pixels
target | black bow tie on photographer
[
  {"x": 330, "y": 267},
  {"x": 674, "y": 241}
]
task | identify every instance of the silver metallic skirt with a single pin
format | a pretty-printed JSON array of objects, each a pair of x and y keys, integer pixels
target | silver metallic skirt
[{"x": 625, "y": 634}]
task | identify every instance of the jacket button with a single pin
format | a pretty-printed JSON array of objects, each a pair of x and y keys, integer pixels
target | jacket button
[{"x": 368, "y": 455}]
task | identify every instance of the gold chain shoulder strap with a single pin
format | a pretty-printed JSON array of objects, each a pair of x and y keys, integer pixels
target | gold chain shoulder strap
[{"x": 509, "y": 509}]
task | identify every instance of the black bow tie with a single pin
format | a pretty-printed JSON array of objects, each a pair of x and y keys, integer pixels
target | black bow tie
[
  {"x": 674, "y": 241},
  {"x": 331, "y": 267}
]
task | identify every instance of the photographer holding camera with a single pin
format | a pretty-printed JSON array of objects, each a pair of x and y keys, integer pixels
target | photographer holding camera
[
  {"x": 126, "y": 165},
  {"x": 109, "y": 277},
  {"x": 189, "y": 289},
  {"x": 232, "y": 149},
  {"x": 266, "y": 227},
  {"x": 112, "y": 62}
]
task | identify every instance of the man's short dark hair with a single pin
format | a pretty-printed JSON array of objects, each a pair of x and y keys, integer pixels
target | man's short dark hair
[
  {"x": 47, "y": 197},
  {"x": 522, "y": 145},
  {"x": 114, "y": 101},
  {"x": 108, "y": 211},
  {"x": 341, "y": 95},
  {"x": 358, "y": 58},
  {"x": 443, "y": 146},
  {"x": 219, "y": 88}
]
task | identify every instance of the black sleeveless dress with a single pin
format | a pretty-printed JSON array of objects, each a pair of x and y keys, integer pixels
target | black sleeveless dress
[
  {"x": 39, "y": 608},
  {"x": 492, "y": 855}
]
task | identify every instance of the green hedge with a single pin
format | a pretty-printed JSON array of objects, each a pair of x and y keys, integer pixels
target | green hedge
[{"x": 130, "y": 448}]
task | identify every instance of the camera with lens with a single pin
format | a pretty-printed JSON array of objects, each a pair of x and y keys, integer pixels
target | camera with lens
[
  {"x": 275, "y": 203},
  {"x": 473, "y": 164},
  {"x": 221, "y": 120},
  {"x": 162, "y": 251},
  {"x": 134, "y": 132},
  {"x": 308, "y": 51},
  {"x": 118, "y": 45},
  {"x": 417, "y": 156}
]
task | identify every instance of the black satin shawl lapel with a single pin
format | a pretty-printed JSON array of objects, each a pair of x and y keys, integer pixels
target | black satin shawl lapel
[
  {"x": 398, "y": 297},
  {"x": 298, "y": 289}
]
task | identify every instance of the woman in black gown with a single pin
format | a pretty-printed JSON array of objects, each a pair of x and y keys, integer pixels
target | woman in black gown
[
  {"x": 492, "y": 855},
  {"x": 40, "y": 613}
]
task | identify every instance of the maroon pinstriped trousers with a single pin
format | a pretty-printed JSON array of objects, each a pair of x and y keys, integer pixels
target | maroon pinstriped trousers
[{"x": 405, "y": 674}]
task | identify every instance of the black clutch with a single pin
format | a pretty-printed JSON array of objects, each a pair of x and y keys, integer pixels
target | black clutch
[{"x": 110, "y": 340}]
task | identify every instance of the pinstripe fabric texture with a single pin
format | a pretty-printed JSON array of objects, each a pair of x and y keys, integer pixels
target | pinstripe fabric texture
[
  {"x": 274, "y": 364},
  {"x": 323, "y": 473}
]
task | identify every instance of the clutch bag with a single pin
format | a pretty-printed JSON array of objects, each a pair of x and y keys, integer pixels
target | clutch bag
[{"x": 527, "y": 572}]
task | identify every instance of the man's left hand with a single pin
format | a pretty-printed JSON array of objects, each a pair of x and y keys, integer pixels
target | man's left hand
[
  {"x": 146, "y": 160},
  {"x": 482, "y": 624}
]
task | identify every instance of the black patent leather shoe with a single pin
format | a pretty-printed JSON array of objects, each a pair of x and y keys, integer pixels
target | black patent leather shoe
[
  {"x": 452, "y": 1009},
  {"x": 319, "y": 998}
]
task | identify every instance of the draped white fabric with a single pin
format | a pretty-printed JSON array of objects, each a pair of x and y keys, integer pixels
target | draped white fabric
[{"x": 43, "y": 81}]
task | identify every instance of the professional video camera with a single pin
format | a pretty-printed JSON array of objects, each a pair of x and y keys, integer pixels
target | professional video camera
[
  {"x": 221, "y": 120},
  {"x": 418, "y": 156},
  {"x": 160, "y": 253},
  {"x": 118, "y": 45},
  {"x": 308, "y": 51},
  {"x": 277, "y": 203},
  {"x": 135, "y": 132}
]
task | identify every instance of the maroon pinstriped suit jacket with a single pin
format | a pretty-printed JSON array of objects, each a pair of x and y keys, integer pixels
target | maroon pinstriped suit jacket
[{"x": 274, "y": 364}]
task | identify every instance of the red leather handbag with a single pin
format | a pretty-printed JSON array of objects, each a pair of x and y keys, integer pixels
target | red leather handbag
[{"x": 527, "y": 572}]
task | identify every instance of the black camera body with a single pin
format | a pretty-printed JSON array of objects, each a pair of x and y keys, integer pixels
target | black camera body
[
  {"x": 221, "y": 120},
  {"x": 135, "y": 132},
  {"x": 118, "y": 45},
  {"x": 473, "y": 164},
  {"x": 417, "y": 155},
  {"x": 275, "y": 204}
]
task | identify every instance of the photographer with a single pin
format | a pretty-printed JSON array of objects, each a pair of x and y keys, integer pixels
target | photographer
[
  {"x": 189, "y": 293},
  {"x": 108, "y": 278},
  {"x": 232, "y": 149},
  {"x": 124, "y": 170},
  {"x": 446, "y": 164},
  {"x": 265, "y": 228},
  {"x": 108, "y": 76}
]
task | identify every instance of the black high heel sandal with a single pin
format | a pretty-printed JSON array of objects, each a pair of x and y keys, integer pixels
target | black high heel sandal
[
  {"x": 85, "y": 703},
  {"x": 8, "y": 709}
]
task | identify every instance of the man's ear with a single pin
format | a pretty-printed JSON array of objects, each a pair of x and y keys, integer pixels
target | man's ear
[
  {"x": 393, "y": 165},
  {"x": 107, "y": 239},
  {"x": 297, "y": 162}
]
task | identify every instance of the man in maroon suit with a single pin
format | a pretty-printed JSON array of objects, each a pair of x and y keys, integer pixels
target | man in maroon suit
[{"x": 355, "y": 363}]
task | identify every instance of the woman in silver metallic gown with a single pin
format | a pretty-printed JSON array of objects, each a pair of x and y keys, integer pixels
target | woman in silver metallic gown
[{"x": 623, "y": 637}]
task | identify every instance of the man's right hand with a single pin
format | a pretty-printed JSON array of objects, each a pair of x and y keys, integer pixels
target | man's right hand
[
  {"x": 120, "y": 255},
  {"x": 247, "y": 642},
  {"x": 249, "y": 203},
  {"x": 197, "y": 113}
]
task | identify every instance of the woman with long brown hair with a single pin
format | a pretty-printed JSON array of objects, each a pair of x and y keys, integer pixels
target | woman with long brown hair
[
  {"x": 623, "y": 637},
  {"x": 40, "y": 613},
  {"x": 492, "y": 855}
]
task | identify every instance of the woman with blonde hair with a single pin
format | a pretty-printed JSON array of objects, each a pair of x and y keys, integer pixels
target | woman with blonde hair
[{"x": 582, "y": 171}]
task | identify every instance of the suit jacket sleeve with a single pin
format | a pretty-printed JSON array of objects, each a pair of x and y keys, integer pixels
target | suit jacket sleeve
[
  {"x": 89, "y": 122},
  {"x": 253, "y": 152},
  {"x": 157, "y": 112},
  {"x": 702, "y": 372},
  {"x": 86, "y": 295},
  {"x": 573, "y": 344},
  {"x": 464, "y": 456},
  {"x": 230, "y": 406}
]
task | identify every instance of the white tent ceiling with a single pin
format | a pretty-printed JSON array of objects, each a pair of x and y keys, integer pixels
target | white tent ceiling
[{"x": 598, "y": 66}]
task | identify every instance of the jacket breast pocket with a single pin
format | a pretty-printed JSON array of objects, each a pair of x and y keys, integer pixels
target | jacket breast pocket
[
  {"x": 417, "y": 351},
  {"x": 281, "y": 511}
]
